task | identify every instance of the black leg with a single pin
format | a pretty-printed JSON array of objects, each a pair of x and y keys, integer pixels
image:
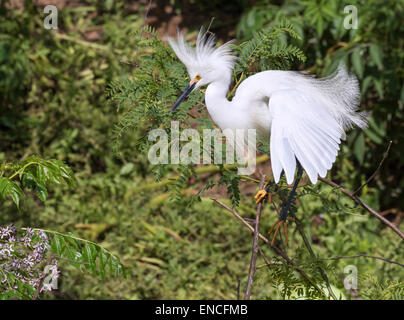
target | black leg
[
  {"x": 285, "y": 210},
  {"x": 270, "y": 184}
]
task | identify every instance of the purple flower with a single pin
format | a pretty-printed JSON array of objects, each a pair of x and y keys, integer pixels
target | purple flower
[{"x": 25, "y": 257}]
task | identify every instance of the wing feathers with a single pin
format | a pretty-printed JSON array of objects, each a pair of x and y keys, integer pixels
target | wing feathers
[
  {"x": 321, "y": 147},
  {"x": 301, "y": 128},
  {"x": 284, "y": 158}
]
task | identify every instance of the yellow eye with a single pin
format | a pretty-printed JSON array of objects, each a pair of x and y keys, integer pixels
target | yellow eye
[{"x": 196, "y": 79}]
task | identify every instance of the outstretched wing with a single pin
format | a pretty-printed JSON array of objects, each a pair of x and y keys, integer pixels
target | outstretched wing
[{"x": 302, "y": 128}]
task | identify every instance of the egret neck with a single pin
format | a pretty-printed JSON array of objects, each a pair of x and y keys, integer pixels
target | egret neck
[{"x": 216, "y": 102}]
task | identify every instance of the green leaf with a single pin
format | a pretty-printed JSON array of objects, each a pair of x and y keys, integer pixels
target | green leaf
[
  {"x": 92, "y": 256},
  {"x": 57, "y": 245},
  {"x": 320, "y": 27},
  {"x": 359, "y": 148},
  {"x": 357, "y": 62},
  {"x": 380, "y": 128},
  {"x": 28, "y": 180},
  {"x": 42, "y": 193},
  {"x": 103, "y": 258},
  {"x": 376, "y": 54},
  {"x": 366, "y": 84},
  {"x": 374, "y": 137},
  {"x": 379, "y": 87},
  {"x": 11, "y": 189}
]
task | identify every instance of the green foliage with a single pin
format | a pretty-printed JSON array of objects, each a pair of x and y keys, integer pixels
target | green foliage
[
  {"x": 374, "y": 52},
  {"x": 146, "y": 95},
  {"x": 17, "y": 289},
  {"x": 269, "y": 47},
  {"x": 231, "y": 180},
  {"x": 54, "y": 104},
  {"x": 385, "y": 290},
  {"x": 11, "y": 189},
  {"x": 85, "y": 255},
  {"x": 34, "y": 173},
  {"x": 288, "y": 284}
]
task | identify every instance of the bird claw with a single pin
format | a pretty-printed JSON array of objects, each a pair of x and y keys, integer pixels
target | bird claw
[
  {"x": 261, "y": 195},
  {"x": 277, "y": 225}
]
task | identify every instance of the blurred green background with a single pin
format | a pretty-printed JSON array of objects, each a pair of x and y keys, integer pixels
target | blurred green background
[{"x": 53, "y": 104}]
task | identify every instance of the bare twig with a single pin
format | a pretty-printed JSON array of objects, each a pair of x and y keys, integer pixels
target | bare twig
[
  {"x": 238, "y": 216},
  {"x": 210, "y": 24},
  {"x": 264, "y": 257},
  {"x": 365, "y": 256},
  {"x": 267, "y": 263},
  {"x": 253, "y": 262},
  {"x": 263, "y": 158},
  {"x": 364, "y": 205},
  {"x": 278, "y": 251},
  {"x": 377, "y": 170},
  {"x": 69, "y": 260},
  {"x": 310, "y": 249}
]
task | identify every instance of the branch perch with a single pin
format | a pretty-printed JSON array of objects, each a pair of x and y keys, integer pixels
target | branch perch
[
  {"x": 255, "y": 244},
  {"x": 377, "y": 170},
  {"x": 365, "y": 256},
  {"x": 364, "y": 205},
  {"x": 310, "y": 249},
  {"x": 278, "y": 251}
]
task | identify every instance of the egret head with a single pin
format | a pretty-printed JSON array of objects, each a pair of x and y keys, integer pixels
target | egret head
[{"x": 205, "y": 63}]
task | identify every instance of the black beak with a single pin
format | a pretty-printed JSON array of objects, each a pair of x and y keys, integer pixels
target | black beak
[{"x": 183, "y": 96}]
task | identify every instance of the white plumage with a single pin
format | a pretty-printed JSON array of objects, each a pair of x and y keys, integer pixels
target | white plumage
[{"x": 304, "y": 117}]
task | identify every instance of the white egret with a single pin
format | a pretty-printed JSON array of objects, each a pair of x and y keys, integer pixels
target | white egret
[{"x": 304, "y": 117}]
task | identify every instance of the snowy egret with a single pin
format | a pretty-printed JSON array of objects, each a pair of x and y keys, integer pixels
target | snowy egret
[{"x": 303, "y": 117}]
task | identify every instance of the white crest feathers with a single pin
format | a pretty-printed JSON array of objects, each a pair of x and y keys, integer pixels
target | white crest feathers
[{"x": 204, "y": 56}]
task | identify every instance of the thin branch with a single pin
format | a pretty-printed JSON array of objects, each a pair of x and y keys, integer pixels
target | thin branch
[
  {"x": 210, "y": 24},
  {"x": 377, "y": 170},
  {"x": 69, "y": 260},
  {"x": 22, "y": 169},
  {"x": 365, "y": 256},
  {"x": 310, "y": 249},
  {"x": 229, "y": 95},
  {"x": 364, "y": 205},
  {"x": 253, "y": 262},
  {"x": 263, "y": 256},
  {"x": 238, "y": 216},
  {"x": 274, "y": 248},
  {"x": 72, "y": 237}
]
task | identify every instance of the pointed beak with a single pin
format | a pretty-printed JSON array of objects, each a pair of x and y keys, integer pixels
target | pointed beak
[{"x": 185, "y": 94}]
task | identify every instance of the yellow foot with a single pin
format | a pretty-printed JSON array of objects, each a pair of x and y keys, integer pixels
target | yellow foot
[
  {"x": 278, "y": 224},
  {"x": 261, "y": 196}
]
